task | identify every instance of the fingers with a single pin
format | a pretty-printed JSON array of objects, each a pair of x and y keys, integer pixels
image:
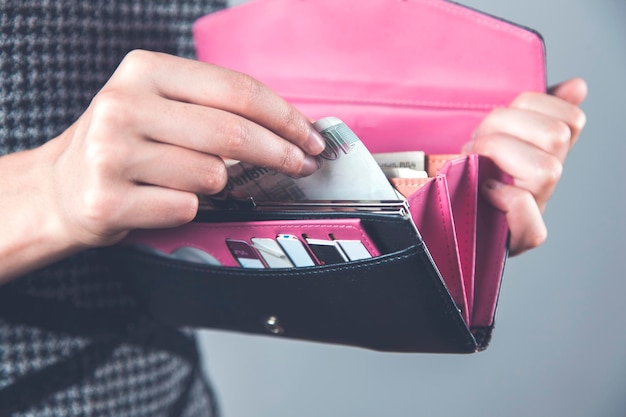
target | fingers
[
  {"x": 526, "y": 225},
  {"x": 559, "y": 110},
  {"x": 217, "y": 132},
  {"x": 574, "y": 91},
  {"x": 161, "y": 208},
  {"x": 534, "y": 126},
  {"x": 215, "y": 87},
  {"x": 548, "y": 122},
  {"x": 532, "y": 169},
  {"x": 157, "y": 134},
  {"x": 106, "y": 210},
  {"x": 530, "y": 141},
  {"x": 180, "y": 169}
]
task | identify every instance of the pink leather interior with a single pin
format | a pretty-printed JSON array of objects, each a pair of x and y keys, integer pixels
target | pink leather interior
[
  {"x": 401, "y": 73},
  {"x": 404, "y": 75},
  {"x": 462, "y": 178}
]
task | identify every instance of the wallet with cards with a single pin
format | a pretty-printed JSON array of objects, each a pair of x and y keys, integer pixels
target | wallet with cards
[{"x": 420, "y": 274}]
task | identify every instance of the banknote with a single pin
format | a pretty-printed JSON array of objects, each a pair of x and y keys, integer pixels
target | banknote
[
  {"x": 414, "y": 160},
  {"x": 348, "y": 172}
]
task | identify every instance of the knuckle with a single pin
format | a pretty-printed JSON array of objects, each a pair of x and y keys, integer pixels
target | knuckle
[
  {"x": 292, "y": 160},
  {"x": 521, "y": 200},
  {"x": 100, "y": 158},
  {"x": 497, "y": 113},
  {"x": 248, "y": 89},
  {"x": 215, "y": 178},
  {"x": 489, "y": 119},
  {"x": 560, "y": 134},
  {"x": 137, "y": 61},
  {"x": 296, "y": 123},
  {"x": 104, "y": 156},
  {"x": 102, "y": 165},
  {"x": 485, "y": 144},
  {"x": 524, "y": 100},
  {"x": 237, "y": 135},
  {"x": 111, "y": 109},
  {"x": 579, "y": 119},
  {"x": 549, "y": 171},
  {"x": 536, "y": 236},
  {"x": 97, "y": 208}
]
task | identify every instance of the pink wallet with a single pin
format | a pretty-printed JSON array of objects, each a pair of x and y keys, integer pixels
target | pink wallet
[{"x": 403, "y": 75}]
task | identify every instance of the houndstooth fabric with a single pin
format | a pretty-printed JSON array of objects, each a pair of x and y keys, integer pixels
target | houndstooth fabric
[{"x": 54, "y": 56}]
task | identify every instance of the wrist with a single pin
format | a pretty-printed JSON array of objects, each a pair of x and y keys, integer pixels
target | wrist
[{"x": 31, "y": 221}]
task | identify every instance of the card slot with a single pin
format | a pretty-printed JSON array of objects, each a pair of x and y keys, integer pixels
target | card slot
[
  {"x": 151, "y": 257},
  {"x": 211, "y": 237}
]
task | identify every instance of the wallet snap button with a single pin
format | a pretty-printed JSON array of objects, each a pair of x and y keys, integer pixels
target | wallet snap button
[{"x": 272, "y": 324}]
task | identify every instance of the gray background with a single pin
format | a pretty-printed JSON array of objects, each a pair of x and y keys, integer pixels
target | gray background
[{"x": 559, "y": 348}]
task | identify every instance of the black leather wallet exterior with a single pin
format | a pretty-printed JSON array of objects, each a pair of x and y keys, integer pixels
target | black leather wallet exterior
[{"x": 394, "y": 302}]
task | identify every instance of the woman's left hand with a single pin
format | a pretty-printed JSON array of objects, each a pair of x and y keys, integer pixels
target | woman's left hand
[{"x": 530, "y": 140}]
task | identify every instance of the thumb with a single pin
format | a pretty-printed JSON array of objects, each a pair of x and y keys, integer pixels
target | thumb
[{"x": 573, "y": 91}]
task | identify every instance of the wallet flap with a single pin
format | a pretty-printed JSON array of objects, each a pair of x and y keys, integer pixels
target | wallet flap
[{"x": 391, "y": 70}]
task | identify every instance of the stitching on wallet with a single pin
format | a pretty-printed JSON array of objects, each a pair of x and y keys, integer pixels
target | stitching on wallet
[
  {"x": 393, "y": 102},
  {"x": 445, "y": 229},
  {"x": 468, "y": 219},
  {"x": 480, "y": 19}
]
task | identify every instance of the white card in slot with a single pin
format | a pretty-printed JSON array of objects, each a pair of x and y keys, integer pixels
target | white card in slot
[
  {"x": 271, "y": 252},
  {"x": 295, "y": 249},
  {"x": 354, "y": 249}
]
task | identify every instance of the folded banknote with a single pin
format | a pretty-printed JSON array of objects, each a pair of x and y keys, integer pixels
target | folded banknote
[{"x": 348, "y": 172}]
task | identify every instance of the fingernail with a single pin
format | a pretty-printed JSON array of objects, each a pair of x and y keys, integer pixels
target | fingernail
[
  {"x": 309, "y": 166},
  {"x": 492, "y": 185},
  {"x": 315, "y": 144}
]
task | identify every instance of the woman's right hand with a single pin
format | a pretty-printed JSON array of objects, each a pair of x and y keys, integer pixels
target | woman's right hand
[
  {"x": 152, "y": 139},
  {"x": 155, "y": 135}
]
